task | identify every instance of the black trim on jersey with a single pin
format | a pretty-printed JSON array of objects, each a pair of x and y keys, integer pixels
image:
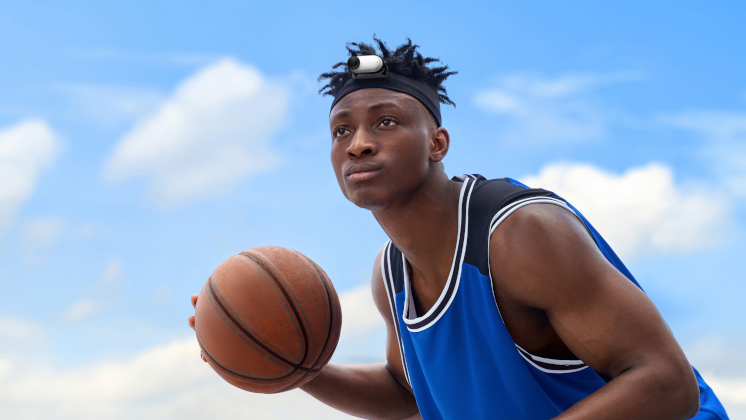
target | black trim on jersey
[
  {"x": 556, "y": 200},
  {"x": 489, "y": 198},
  {"x": 452, "y": 284},
  {"x": 509, "y": 209},
  {"x": 480, "y": 205},
  {"x": 391, "y": 292}
]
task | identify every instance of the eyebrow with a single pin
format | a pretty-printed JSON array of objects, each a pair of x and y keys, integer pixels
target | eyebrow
[
  {"x": 373, "y": 108},
  {"x": 341, "y": 114},
  {"x": 384, "y": 105}
]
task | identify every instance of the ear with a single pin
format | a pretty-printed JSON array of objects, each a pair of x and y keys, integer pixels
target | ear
[{"x": 439, "y": 143}]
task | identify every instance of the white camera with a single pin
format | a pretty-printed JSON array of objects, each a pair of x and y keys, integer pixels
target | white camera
[{"x": 365, "y": 64}]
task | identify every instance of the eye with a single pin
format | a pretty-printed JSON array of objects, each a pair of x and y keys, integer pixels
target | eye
[
  {"x": 388, "y": 122},
  {"x": 340, "y": 132}
]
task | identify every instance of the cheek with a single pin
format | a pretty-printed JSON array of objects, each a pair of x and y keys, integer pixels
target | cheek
[
  {"x": 337, "y": 159},
  {"x": 413, "y": 154}
]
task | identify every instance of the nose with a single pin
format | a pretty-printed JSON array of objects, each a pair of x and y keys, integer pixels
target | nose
[{"x": 361, "y": 145}]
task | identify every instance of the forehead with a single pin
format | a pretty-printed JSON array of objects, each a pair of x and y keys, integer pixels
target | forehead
[{"x": 362, "y": 99}]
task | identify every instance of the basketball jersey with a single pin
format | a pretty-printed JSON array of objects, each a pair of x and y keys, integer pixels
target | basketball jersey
[{"x": 459, "y": 358}]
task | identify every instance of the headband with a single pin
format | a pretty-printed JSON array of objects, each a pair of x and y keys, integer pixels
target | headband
[{"x": 420, "y": 91}]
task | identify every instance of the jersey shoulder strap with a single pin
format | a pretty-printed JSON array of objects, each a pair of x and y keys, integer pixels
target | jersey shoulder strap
[
  {"x": 488, "y": 199},
  {"x": 392, "y": 266}
]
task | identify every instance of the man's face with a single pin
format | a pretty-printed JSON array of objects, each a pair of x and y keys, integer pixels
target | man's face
[{"x": 380, "y": 146}]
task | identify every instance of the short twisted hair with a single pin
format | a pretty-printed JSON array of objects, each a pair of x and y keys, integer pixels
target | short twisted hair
[{"x": 405, "y": 61}]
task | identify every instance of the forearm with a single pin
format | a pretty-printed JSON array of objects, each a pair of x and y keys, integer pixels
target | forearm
[
  {"x": 367, "y": 391},
  {"x": 646, "y": 392}
]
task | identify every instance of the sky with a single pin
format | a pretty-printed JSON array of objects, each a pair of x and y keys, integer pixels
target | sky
[{"x": 143, "y": 143}]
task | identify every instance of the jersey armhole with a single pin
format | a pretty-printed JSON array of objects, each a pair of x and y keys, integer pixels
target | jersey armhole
[{"x": 546, "y": 365}]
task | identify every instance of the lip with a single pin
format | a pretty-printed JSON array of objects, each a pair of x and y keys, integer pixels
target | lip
[{"x": 362, "y": 171}]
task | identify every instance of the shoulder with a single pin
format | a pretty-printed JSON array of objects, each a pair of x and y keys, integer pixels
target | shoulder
[
  {"x": 502, "y": 190},
  {"x": 540, "y": 248},
  {"x": 489, "y": 197},
  {"x": 538, "y": 221}
]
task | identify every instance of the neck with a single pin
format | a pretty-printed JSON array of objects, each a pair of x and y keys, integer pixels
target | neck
[{"x": 425, "y": 227}]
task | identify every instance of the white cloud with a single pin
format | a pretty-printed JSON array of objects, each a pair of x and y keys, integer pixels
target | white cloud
[
  {"x": 718, "y": 360},
  {"x": 166, "y": 382},
  {"x": 212, "y": 133},
  {"x": 726, "y": 147},
  {"x": 100, "y": 297},
  {"x": 731, "y": 393},
  {"x": 550, "y": 110},
  {"x": 729, "y": 390},
  {"x": 641, "y": 211},
  {"x": 17, "y": 331},
  {"x": 80, "y": 310},
  {"x": 19, "y": 339},
  {"x": 359, "y": 312},
  {"x": 25, "y": 150},
  {"x": 4, "y": 368}
]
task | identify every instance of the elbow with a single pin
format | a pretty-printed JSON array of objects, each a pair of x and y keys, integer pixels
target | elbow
[
  {"x": 690, "y": 399},
  {"x": 683, "y": 390}
]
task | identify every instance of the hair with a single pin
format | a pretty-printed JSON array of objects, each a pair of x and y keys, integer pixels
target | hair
[{"x": 405, "y": 61}]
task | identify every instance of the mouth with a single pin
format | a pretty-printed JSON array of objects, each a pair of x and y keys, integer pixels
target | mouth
[{"x": 362, "y": 172}]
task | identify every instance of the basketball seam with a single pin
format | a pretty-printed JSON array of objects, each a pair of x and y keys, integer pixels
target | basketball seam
[
  {"x": 225, "y": 311},
  {"x": 227, "y": 314},
  {"x": 232, "y": 372},
  {"x": 331, "y": 310},
  {"x": 296, "y": 383},
  {"x": 265, "y": 267}
]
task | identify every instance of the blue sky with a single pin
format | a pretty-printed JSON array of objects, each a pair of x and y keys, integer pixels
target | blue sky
[{"x": 635, "y": 112}]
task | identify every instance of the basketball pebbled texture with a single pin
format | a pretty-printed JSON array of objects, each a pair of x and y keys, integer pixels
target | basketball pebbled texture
[{"x": 268, "y": 319}]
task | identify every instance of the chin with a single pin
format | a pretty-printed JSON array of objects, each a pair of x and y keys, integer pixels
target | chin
[{"x": 369, "y": 200}]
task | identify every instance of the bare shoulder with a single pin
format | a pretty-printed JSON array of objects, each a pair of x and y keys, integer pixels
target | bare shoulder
[
  {"x": 538, "y": 221},
  {"x": 541, "y": 247},
  {"x": 543, "y": 257}
]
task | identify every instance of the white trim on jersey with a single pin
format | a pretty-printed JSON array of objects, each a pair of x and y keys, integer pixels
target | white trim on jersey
[
  {"x": 499, "y": 217},
  {"x": 510, "y": 208},
  {"x": 566, "y": 363},
  {"x": 454, "y": 276},
  {"x": 388, "y": 281}
]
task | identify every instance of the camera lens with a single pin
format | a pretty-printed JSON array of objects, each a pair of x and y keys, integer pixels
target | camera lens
[{"x": 353, "y": 62}]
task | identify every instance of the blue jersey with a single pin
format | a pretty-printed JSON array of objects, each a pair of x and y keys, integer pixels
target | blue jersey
[{"x": 459, "y": 358}]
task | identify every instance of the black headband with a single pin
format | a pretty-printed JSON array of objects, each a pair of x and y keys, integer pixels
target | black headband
[{"x": 420, "y": 91}]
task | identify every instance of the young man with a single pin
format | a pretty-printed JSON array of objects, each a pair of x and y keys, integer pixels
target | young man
[{"x": 500, "y": 301}]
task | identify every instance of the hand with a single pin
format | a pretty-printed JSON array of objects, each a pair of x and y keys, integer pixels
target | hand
[{"x": 191, "y": 322}]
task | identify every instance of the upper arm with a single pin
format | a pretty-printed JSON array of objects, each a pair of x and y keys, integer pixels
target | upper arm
[
  {"x": 543, "y": 257},
  {"x": 393, "y": 355}
]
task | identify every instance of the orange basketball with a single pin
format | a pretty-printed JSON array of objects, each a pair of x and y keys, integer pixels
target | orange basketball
[{"x": 268, "y": 319}]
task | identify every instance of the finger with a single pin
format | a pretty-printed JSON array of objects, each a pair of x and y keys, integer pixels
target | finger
[
  {"x": 191, "y": 322},
  {"x": 194, "y": 300}
]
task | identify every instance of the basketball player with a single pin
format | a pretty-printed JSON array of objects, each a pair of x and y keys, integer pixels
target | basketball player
[{"x": 500, "y": 301}]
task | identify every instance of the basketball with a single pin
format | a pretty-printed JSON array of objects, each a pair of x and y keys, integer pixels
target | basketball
[{"x": 268, "y": 319}]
